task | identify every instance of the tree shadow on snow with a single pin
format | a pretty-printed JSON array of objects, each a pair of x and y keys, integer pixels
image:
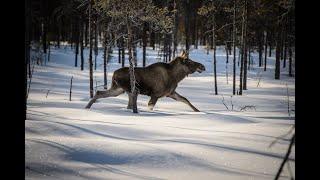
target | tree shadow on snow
[{"x": 104, "y": 161}]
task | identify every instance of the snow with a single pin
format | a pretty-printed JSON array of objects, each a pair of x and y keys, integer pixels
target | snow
[{"x": 65, "y": 141}]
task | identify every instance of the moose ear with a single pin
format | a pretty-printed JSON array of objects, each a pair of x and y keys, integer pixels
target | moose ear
[{"x": 184, "y": 54}]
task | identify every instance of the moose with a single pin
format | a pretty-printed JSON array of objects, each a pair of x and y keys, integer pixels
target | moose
[{"x": 156, "y": 80}]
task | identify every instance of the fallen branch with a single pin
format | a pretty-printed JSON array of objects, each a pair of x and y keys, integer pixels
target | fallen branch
[
  {"x": 224, "y": 102},
  {"x": 244, "y": 108}
]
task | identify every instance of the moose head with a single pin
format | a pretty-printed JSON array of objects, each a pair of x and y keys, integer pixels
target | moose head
[{"x": 189, "y": 65}]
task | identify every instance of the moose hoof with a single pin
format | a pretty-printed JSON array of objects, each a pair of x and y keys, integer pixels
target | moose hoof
[{"x": 150, "y": 107}]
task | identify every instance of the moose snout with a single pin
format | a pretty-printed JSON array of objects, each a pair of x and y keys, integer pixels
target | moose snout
[{"x": 201, "y": 68}]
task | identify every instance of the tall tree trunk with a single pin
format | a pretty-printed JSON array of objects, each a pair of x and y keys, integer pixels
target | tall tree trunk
[
  {"x": 285, "y": 55},
  {"x": 285, "y": 43},
  {"x": 90, "y": 51},
  {"x": 95, "y": 42},
  {"x": 133, "y": 94},
  {"x": 227, "y": 54},
  {"x": 187, "y": 19},
  {"x": 144, "y": 44},
  {"x": 249, "y": 56},
  {"x": 86, "y": 32},
  {"x": 242, "y": 52},
  {"x": 175, "y": 31},
  {"x": 77, "y": 43},
  {"x": 270, "y": 48},
  {"x": 81, "y": 45},
  {"x": 152, "y": 39},
  {"x": 119, "y": 52},
  {"x": 290, "y": 61},
  {"x": 49, "y": 51},
  {"x": 122, "y": 52},
  {"x": 260, "y": 50},
  {"x": 135, "y": 60},
  {"x": 44, "y": 37},
  {"x": 105, "y": 55},
  {"x": 265, "y": 49},
  {"x": 234, "y": 49},
  {"x": 278, "y": 49},
  {"x": 59, "y": 35},
  {"x": 245, "y": 47},
  {"x": 214, "y": 55},
  {"x": 27, "y": 45},
  {"x": 196, "y": 32}
]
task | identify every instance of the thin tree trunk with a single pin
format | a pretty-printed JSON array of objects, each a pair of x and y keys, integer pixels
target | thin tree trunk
[
  {"x": 285, "y": 43},
  {"x": 270, "y": 48},
  {"x": 119, "y": 53},
  {"x": 90, "y": 51},
  {"x": 44, "y": 37},
  {"x": 135, "y": 60},
  {"x": 122, "y": 52},
  {"x": 227, "y": 54},
  {"x": 144, "y": 44},
  {"x": 95, "y": 42},
  {"x": 265, "y": 49},
  {"x": 175, "y": 27},
  {"x": 278, "y": 49},
  {"x": 77, "y": 44},
  {"x": 242, "y": 53},
  {"x": 27, "y": 45},
  {"x": 214, "y": 55},
  {"x": 260, "y": 50},
  {"x": 285, "y": 55},
  {"x": 249, "y": 57},
  {"x": 134, "y": 94},
  {"x": 187, "y": 10},
  {"x": 277, "y": 65},
  {"x": 105, "y": 55},
  {"x": 245, "y": 48},
  {"x": 59, "y": 35},
  {"x": 81, "y": 45},
  {"x": 49, "y": 51},
  {"x": 290, "y": 61},
  {"x": 234, "y": 49},
  {"x": 86, "y": 32}
]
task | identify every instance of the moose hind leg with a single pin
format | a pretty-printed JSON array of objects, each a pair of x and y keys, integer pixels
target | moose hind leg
[
  {"x": 152, "y": 102},
  {"x": 104, "y": 94},
  {"x": 180, "y": 98}
]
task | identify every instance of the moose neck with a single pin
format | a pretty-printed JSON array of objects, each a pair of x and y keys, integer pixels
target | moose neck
[{"x": 178, "y": 72}]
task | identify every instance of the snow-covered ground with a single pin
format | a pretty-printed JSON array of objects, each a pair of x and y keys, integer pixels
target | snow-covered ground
[{"x": 66, "y": 141}]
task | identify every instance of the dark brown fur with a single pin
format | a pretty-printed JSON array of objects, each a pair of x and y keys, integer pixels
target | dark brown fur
[{"x": 156, "y": 80}]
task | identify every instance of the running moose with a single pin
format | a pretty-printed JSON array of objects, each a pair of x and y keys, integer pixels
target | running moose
[{"x": 156, "y": 80}]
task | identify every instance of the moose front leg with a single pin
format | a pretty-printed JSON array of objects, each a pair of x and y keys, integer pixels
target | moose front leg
[
  {"x": 180, "y": 98},
  {"x": 152, "y": 102}
]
